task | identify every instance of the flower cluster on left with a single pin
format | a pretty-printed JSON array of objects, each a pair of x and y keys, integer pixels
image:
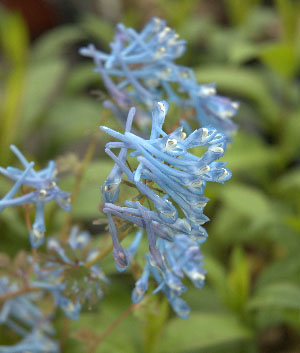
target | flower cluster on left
[
  {"x": 63, "y": 271},
  {"x": 43, "y": 189}
]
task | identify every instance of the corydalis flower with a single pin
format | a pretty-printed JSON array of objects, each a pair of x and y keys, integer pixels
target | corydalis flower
[
  {"x": 65, "y": 274},
  {"x": 141, "y": 69},
  {"x": 181, "y": 257},
  {"x": 24, "y": 317},
  {"x": 44, "y": 189},
  {"x": 173, "y": 180}
]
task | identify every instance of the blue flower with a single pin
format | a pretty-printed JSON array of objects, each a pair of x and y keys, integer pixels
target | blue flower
[
  {"x": 141, "y": 69},
  {"x": 22, "y": 316},
  {"x": 173, "y": 180},
  {"x": 65, "y": 275},
  {"x": 44, "y": 187}
]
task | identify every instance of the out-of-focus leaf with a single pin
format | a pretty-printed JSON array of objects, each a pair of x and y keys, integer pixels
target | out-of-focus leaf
[
  {"x": 89, "y": 196},
  {"x": 290, "y": 181},
  {"x": 238, "y": 10},
  {"x": 290, "y": 138},
  {"x": 71, "y": 118},
  {"x": 81, "y": 77},
  {"x": 281, "y": 57},
  {"x": 289, "y": 11},
  {"x": 244, "y": 83},
  {"x": 277, "y": 296},
  {"x": 14, "y": 43},
  {"x": 216, "y": 274},
  {"x": 126, "y": 336},
  {"x": 280, "y": 270},
  {"x": 238, "y": 279},
  {"x": 97, "y": 28},
  {"x": 248, "y": 153},
  {"x": 42, "y": 84},
  {"x": 202, "y": 331},
  {"x": 51, "y": 44},
  {"x": 242, "y": 51},
  {"x": 247, "y": 201},
  {"x": 13, "y": 36}
]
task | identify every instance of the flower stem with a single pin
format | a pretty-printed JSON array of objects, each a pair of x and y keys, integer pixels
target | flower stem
[
  {"x": 114, "y": 325},
  {"x": 18, "y": 292},
  {"x": 76, "y": 187}
]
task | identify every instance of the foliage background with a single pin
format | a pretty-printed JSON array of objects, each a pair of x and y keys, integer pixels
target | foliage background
[{"x": 51, "y": 107}]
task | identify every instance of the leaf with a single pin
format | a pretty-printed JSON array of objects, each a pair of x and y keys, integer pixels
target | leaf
[
  {"x": 51, "y": 44},
  {"x": 276, "y": 296},
  {"x": 281, "y": 57},
  {"x": 13, "y": 36},
  {"x": 290, "y": 181},
  {"x": 286, "y": 269},
  {"x": 42, "y": 84},
  {"x": 216, "y": 274},
  {"x": 256, "y": 155},
  {"x": 238, "y": 279},
  {"x": 89, "y": 196},
  {"x": 238, "y": 11},
  {"x": 202, "y": 331},
  {"x": 97, "y": 27},
  {"x": 247, "y": 201},
  {"x": 290, "y": 138},
  {"x": 125, "y": 337},
  {"x": 81, "y": 77},
  {"x": 77, "y": 116},
  {"x": 289, "y": 12}
]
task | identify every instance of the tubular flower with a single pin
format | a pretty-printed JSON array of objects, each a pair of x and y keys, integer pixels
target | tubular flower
[
  {"x": 44, "y": 189},
  {"x": 21, "y": 315},
  {"x": 173, "y": 181},
  {"x": 141, "y": 69}
]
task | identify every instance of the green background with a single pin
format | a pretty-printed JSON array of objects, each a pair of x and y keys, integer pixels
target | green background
[{"x": 51, "y": 107}]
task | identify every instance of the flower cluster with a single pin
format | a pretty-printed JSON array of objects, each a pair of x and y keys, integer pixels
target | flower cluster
[
  {"x": 65, "y": 274},
  {"x": 22, "y": 316},
  {"x": 140, "y": 70},
  {"x": 173, "y": 181},
  {"x": 43, "y": 188}
]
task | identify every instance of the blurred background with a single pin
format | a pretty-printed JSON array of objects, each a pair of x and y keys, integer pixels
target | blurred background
[{"x": 51, "y": 107}]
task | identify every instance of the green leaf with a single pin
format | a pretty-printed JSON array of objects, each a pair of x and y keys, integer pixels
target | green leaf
[
  {"x": 42, "y": 84},
  {"x": 216, "y": 274},
  {"x": 286, "y": 269},
  {"x": 281, "y": 57},
  {"x": 78, "y": 116},
  {"x": 97, "y": 27},
  {"x": 51, "y": 44},
  {"x": 290, "y": 181},
  {"x": 202, "y": 331},
  {"x": 276, "y": 296},
  {"x": 290, "y": 143},
  {"x": 89, "y": 196},
  {"x": 14, "y": 37},
  {"x": 238, "y": 279},
  {"x": 238, "y": 11},
  {"x": 246, "y": 200},
  {"x": 81, "y": 77},
  {"x": 255, "y": 156},
  {"x": 289, "y": 12},
  {"x": 125, "y": 337}
]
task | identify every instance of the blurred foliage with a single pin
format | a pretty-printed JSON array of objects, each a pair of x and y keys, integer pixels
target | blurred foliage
[{"x": 51, "y": 106}]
